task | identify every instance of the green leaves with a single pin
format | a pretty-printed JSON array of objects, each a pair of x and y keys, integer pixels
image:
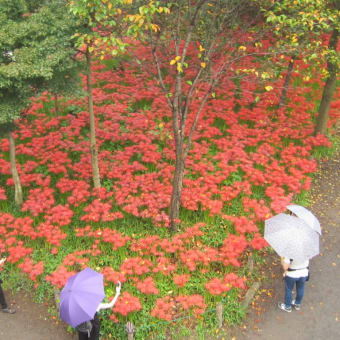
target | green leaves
[{"x": 36, "y": 46}]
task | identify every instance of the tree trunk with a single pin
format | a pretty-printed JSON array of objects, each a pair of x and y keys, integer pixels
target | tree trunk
[
  {"x": 93, "y": 144},
  {"x": 328, "y": 90},
  {"x": 56, "y": 104},
  {"x": 17, "y": 185},
  {"x": 283, "y": 97},
  {"x": 177, "y": 187}
]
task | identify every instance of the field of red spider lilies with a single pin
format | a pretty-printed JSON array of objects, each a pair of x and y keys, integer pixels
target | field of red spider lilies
[{"x": 247, "y": 163}]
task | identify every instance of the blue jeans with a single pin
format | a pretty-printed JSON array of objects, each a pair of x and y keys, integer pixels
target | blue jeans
[{"x": 300, "y": 289}]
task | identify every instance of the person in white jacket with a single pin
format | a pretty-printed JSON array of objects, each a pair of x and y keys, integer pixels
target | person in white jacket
[{"x": 295, "y": 273}]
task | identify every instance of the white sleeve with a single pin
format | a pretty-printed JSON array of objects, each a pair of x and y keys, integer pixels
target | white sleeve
[
  {"x": 105, "y": 305},
  {"x": 110, "y": 304}
]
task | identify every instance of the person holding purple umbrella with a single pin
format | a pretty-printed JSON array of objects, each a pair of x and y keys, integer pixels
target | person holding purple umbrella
[
  {"x": 89, "y": 330},
  {"x": 81, "y": 300}
]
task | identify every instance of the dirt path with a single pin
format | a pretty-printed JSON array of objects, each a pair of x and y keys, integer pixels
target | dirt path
[
  {"x": 31, "y": 321},
  {"x": 319, "y": 317}
]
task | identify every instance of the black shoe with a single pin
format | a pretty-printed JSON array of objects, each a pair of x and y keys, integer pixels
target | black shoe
[{"x": 8, "y": 310}]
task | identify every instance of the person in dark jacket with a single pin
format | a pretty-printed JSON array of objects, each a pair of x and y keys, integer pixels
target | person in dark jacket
[{"x": 3, "y": 303}]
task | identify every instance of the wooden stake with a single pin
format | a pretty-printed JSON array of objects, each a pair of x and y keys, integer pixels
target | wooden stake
[
  {"x": 130, "y": 329},
  {"x": 219, "y": 314}
]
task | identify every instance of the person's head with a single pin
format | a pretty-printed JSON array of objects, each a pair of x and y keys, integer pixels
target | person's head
[
  {"x": 85, "y": 327},
  {"x": 291, "y": 213}
]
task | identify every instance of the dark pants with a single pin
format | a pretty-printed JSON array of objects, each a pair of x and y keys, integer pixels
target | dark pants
[
  {"x": 94, "y": 335},
  {"x": 3, "y": 302},
  {"x": 300, "y": 288}
]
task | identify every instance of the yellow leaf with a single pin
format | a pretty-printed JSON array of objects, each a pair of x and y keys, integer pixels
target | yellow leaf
[
  {"x": 119, "y": 11},
  {"x": 201, "y": 48},
  {"x": 155, "y": 27},
  {"x": 172, "y": 62},
  {"x": 203, "y": 65},
  {"x": 179, "y": 67},
  {"x": 242, "y": 48},
  {"x": 109, "y": 6},
  {"x": 178, "y": 58},
  {"x": 140, "y": 22},
  {"x": 269, "y": 88}
]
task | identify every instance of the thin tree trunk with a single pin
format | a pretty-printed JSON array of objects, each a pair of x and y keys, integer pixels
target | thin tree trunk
[
  {"x": 328, "y": 90},
  {"x": 93, "y": 144},
  {"x": 17, "y": 185},
  {"x": 283, "y": 97},
  {"x": 177, "y": 187},
  {"x": 56, "y": 104}
]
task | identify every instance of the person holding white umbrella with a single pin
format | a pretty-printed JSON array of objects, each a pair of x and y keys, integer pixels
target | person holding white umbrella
[
  {"x": 295, "y": 273},
  {"x": 295, "y": 242}
]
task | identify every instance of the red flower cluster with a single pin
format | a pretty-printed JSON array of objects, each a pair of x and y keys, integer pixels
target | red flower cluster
[
  {"x": 100, "y": 211},
  {"x": 16, "y": 253},
  {"x": 136, "y": 266},
  {"x": 60, "y": 215},
  {"x": 218, "y": 286},
  {"x": 33, "y": 269},
  {"x": 181, "y": 280},
  {"x": 3, "y": 194},
  {"x": 164, "y": 308},
  {"x": 39, "y": 200},
  {"x": 147, "y": 286},
  {"x": 60, "y": 276},
  {"x": 53, "y": 234},
  {"x": 196, "y": 302},
  {"x": 111, "y": 275},
  {"x": 126, "y": 304}
]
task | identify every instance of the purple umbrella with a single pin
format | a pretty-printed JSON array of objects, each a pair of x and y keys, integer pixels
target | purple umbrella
[{"x": 81, "y": 296}]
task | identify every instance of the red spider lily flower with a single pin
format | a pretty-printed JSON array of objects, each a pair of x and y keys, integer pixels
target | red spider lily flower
[
  {"x": 3, "y": 194},
  {"x": 111, "y": 275},
  {"x": 147, "y": 286},
  {"x": 181, "y": 280},
  {"x": 258, "y": 242},
  {"x": 60, "y": 276},
  {"x": 126, "y": 304},
  {"x": 16, "y": 253},
  {"x": 136, "y": 266},
  {"x": 33, "y": 269},
  {"x": 195, "y": 301},
  {"x": 164, "y": 308},
  {"x": 164, "y": 266},
  {"x": 39, "y": 200}
]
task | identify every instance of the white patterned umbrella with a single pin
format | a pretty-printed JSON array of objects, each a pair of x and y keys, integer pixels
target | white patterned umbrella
[
  {"x": 291, "y": 237},
  {"x": 306, "y": 215}
]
